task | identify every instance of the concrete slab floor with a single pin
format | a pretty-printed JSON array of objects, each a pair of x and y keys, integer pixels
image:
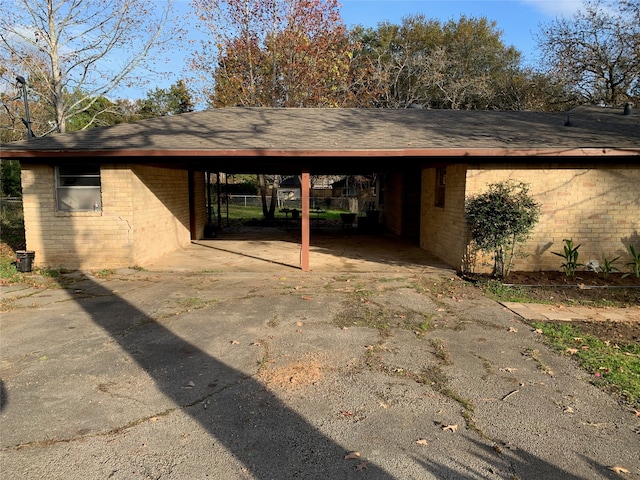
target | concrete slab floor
[{"x": 269, "y": 249}]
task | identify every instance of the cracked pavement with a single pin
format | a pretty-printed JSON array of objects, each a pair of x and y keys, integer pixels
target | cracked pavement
[{"x": 284, "y": 374}]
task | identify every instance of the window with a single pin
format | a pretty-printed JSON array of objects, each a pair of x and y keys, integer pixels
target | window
[
  {"x": 78, "y": 188},
  {"x": 441, "y": 181}
]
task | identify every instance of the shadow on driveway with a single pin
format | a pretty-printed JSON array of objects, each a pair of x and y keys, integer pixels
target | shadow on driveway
[{"x": 269, "y": 438}]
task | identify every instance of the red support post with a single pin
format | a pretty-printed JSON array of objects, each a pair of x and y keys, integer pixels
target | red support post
[{"x": 305, "y": 188}]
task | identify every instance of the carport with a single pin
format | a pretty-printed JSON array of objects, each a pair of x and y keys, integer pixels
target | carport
[{"x": 151, "y": 173}]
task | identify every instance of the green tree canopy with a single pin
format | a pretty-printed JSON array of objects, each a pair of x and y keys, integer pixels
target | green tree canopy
[
  {"x": 457, "y": 64},
  {"x": 175, "y": 100}
]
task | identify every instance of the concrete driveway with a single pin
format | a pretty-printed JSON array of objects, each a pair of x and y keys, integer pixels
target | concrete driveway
[{"x": 401, "y": 372}]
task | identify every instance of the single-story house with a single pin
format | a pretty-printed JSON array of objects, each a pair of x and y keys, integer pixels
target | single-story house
[{"x": 126, "y": 194}]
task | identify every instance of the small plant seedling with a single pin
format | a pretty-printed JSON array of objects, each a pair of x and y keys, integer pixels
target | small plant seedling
[
  {"x": 570, "y": 255},
  {"x": 607, "y": 266},
  {"x": 635, "y": 261}
]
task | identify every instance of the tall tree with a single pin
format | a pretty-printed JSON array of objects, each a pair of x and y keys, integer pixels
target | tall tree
[
  {"x": 166, "y": 101},
  {"x": 282, "y": 53},
  {"x": 88, "y": 46},
  {"x": 234, "y": 31},
  {"x": 596, "y": 52},
  {"x": 457, "y": 64},
  {"x": 310, "y": 56}
]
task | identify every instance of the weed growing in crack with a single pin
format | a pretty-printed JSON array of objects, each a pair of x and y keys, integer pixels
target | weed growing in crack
[
  {"x": 434, "y": 377},
  {"x": 265, "y": 360},
  {"x": 362, "y": 312},
  {"x": 373, "y": 358},
  {"x": 488, "y": 366},
  {"x": 392, "y": 279},
  {"x": 425, "y": 326},
  {"x": 534, "y": 354},
  {"x": 440, "y": 351},
  {"x": 192, "y": 303},
  {"x": 104, "y": 273}
]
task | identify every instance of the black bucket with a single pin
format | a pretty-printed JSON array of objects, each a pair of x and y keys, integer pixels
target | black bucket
[{"x": 24, "y": 260}]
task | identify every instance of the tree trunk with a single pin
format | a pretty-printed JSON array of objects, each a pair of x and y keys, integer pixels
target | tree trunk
[
  {"x": 56, "y": 74},
  {"x": 498, "y": 265},
  {"x": 263, "y": 194}
]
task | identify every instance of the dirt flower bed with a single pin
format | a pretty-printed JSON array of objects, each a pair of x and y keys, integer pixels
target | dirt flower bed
[
  {"x": 580, "y": 279},
  {"x": 589, "y": 289}
]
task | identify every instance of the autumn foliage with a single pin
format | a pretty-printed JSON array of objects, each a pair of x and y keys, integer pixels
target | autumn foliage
[{"x": 277, "y": 53}]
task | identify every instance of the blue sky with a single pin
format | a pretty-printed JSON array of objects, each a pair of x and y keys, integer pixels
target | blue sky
[{"x": 519, "y": 21}]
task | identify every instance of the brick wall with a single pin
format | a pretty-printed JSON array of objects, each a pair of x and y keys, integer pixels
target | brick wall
[
  {"x": 392, "y": 208},
  {"x": 443, "y": 229},
  {"x": 200, "y": 201},
  {"x": 597, "y": 207},
  {"x": 77, "y": 240},
  {"x": 145, "y": 213},
  {"x": 160, "y": 211}
]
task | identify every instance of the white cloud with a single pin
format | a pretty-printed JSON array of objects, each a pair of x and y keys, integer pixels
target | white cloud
[{"x": 555, "y": 7}]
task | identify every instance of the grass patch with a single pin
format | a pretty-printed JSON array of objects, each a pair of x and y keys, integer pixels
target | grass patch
[
  {"x": 104, "y": 273},
  {"x": 8, "y": 271},
  {"x": 192, "y": 303},
  {"x": 506, "y": 293},
  {"x": 615, "y": 368},
  {"x": 240, "y": 212}
]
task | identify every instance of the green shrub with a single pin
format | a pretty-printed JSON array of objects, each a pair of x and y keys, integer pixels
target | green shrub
[{"x": 501, "y": 218}]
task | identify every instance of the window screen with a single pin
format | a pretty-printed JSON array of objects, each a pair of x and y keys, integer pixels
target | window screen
[{"x": 78, "y": 188}]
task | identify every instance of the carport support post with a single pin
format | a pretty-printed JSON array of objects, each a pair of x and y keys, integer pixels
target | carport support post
[{"x": 305, "y": 187}]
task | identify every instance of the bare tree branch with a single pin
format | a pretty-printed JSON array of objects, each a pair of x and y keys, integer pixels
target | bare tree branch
[{"x": 87, "y": 46}]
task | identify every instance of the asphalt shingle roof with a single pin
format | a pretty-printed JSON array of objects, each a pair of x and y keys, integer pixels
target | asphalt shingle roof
[{"x": 227, "y": 134}]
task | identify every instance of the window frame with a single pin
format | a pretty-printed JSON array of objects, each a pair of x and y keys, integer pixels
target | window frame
[{"x": 84, "y": 174}]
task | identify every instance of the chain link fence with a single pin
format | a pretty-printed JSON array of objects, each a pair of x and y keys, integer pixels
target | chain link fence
[{"x": 348, "y": 204}]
